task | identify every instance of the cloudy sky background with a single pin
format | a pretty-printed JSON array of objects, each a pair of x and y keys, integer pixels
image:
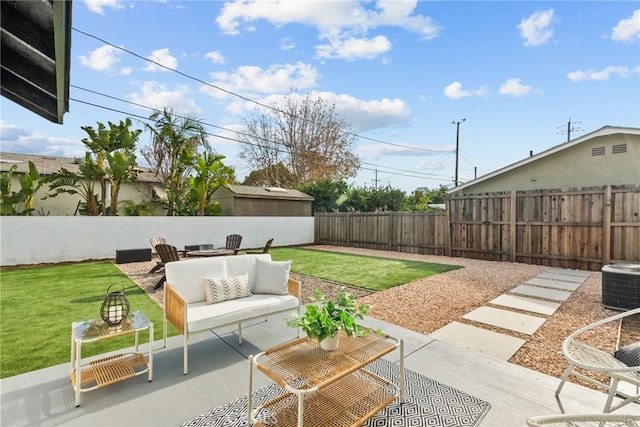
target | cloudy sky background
[{"x": 399, "y": 71}]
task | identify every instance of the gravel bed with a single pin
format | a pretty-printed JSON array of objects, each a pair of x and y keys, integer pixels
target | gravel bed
[{"x": 428, "y": 304}]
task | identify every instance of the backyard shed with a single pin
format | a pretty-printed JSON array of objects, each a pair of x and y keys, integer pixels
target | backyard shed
[{"x": 245, "y": 200}]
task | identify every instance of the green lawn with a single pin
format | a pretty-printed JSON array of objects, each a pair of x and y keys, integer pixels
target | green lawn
[
  {"x": 373, "y": 273},
  {"x": 38, "y": 305}
]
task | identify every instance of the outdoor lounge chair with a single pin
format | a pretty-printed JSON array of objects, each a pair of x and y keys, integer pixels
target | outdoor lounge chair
[
  {"x": 167, "y": 254},
  {"x": 581, "y": 355},
  {"x": 154, "y": 242},
  {"x": 233, "y": 243},
  {"x": 264, "y": 250}
]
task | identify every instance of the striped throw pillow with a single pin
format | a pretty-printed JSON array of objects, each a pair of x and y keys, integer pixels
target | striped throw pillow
[{"x": 218, "y": 289}]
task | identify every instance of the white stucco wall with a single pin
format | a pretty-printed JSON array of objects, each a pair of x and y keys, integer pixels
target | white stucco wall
[{"x": 48, "y": 239}]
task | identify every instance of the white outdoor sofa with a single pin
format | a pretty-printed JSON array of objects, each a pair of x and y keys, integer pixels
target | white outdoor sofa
[{"x": 191, "y": 281}]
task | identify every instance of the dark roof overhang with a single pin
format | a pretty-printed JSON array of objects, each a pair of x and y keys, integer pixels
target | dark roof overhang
[{"x": 35, "y": 55}]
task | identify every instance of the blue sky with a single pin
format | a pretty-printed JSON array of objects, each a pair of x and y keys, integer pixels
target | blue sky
[{"x": 399, "y": 71}]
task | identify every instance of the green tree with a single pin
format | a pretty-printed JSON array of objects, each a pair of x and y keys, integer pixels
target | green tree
[
  {"x": 30, "y": 184},
  {"x": 176, "y": 141},
  {"x": 329, "y": 195},
  {"x": 306, "y": 135},
  {"x": 438, "y": 195},
  {"x": 81, "y": 184},
  {"x": 210, "y": 172},
  {"x": 272, "y": 176},
  {"x": 113, "y": 153},
  {"x": 110, "y": 161}
]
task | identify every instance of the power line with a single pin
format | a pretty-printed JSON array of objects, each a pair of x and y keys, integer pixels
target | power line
[
  {"x": 238, "y": 95},
  {"x": 410, "y": 174}
]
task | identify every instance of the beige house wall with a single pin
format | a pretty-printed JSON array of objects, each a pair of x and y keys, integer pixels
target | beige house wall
[
  {"x": 66, "y": 204},
  {"x": 573, "y": 167}
]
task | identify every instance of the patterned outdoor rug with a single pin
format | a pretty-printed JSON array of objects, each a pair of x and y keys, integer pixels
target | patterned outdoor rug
[{"x": 427, "y": 403}]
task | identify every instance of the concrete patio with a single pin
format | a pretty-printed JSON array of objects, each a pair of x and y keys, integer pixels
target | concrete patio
[{"x": 218, "y": 373}]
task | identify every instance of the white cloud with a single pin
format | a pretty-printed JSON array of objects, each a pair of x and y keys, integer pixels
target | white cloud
[
  {"x": 215, "y": 57},
  {"x": 248, "y": 80},
  {"x": 601, "y": 75},
  {"x": 101, "y": 59},
  {"x": 17, "y": 139},
  {"x": 455, "y": 91},
  {"x": 365, "y": 115},
  {"x": 536, "y": 29},
  {"x": 627, "y": 30},
  {"x": 354, "y": 48},
  {"x": 98, "y": 6},
  {"x": 157, "y": 95},
  {"x": 287, "y": 44},
  {"x": 377, "y": 151},
  {"x": 345, "y": 24},
  {"x": 514, "y": 87},
  {"x": 362, "y": 115},
  {"x": 163, "y": 57}
]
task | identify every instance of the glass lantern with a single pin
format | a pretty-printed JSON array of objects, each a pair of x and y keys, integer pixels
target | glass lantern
[{"x": 115, "y": 307}]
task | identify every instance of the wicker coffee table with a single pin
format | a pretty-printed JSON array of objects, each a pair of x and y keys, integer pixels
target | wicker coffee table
[{"x": 325, "y": 387}]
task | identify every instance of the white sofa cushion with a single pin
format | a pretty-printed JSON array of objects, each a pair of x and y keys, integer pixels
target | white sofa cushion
[
  {"x": 218, "y": 289},
  {"x": 271, "y": 277},
  {"x": 204, "y": 316},
  {"x": 186, "y": 275}
]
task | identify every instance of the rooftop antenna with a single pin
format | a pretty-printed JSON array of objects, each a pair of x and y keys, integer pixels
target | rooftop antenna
[{"x": 570, "y": 128}]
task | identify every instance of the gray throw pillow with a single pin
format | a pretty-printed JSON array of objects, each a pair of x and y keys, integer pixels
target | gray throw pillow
[
  {"x": 629, "y": 355},
  {"x": 271, "y": 277}
]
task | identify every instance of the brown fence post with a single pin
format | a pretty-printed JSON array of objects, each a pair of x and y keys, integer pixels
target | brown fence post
[
  {"x": 606, "y": 226},
  {"x": 447, "y": 236},
  {"x": 513, "y": 235}
]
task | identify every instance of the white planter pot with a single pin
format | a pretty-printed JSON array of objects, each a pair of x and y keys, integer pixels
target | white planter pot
[{"x": 330, "y": 343}]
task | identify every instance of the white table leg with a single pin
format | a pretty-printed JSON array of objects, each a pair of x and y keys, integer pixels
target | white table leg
[{"x": 78, "y": 377}]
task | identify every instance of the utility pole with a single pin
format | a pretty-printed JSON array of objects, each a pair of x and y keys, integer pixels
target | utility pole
[
  {"x": 570, "y": 128},
  {"x": 457, "y": 145}
]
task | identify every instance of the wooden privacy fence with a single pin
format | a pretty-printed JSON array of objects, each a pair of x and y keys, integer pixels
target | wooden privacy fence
[{"x": 578, "y": 228}]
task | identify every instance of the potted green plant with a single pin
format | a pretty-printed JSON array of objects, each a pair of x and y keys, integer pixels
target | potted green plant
[{"x": 324, "y": 318}]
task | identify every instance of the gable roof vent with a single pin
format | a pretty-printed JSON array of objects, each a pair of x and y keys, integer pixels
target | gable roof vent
[
  {"x": 619, "y": 149},
  {"x": 597, "y": 151}
]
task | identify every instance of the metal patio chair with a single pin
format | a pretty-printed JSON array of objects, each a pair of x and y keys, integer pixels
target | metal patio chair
[{"x": 581, "y": 355}]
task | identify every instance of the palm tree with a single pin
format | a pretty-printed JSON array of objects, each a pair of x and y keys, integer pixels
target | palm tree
[{"x": 175, "y": 144}]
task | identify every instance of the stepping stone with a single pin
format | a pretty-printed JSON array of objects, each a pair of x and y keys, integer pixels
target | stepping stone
[
  {"x": 568, "y": 272},
  {"x": 505, "y": 319},
  {"x": 527, "y": 304},
  {"x": 549, "y": 283},
  {"x": 536, "y": 291},
  {"x": 469, "y": 337},
  {"x": 563, "y": 277}
]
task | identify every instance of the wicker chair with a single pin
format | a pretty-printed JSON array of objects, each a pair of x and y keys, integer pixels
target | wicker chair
[
  {"x": 167, "y": 254},
  {"x": 264, "y": 250},
  {"x": 594, "y": 420},
  {"x": 233, "y": 243},
  {"x": 581, "y": 355}
]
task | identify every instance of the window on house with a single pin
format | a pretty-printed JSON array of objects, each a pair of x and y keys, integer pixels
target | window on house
[
  {"x": 597, "y": 151},
  {"x": 619, "y": 149}
]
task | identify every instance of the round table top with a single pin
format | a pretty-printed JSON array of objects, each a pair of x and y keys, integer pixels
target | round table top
[{"x": 210, "y": 252}]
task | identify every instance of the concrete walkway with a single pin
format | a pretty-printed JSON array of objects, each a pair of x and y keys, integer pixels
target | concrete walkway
[{"x": 539, "y": 297}]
